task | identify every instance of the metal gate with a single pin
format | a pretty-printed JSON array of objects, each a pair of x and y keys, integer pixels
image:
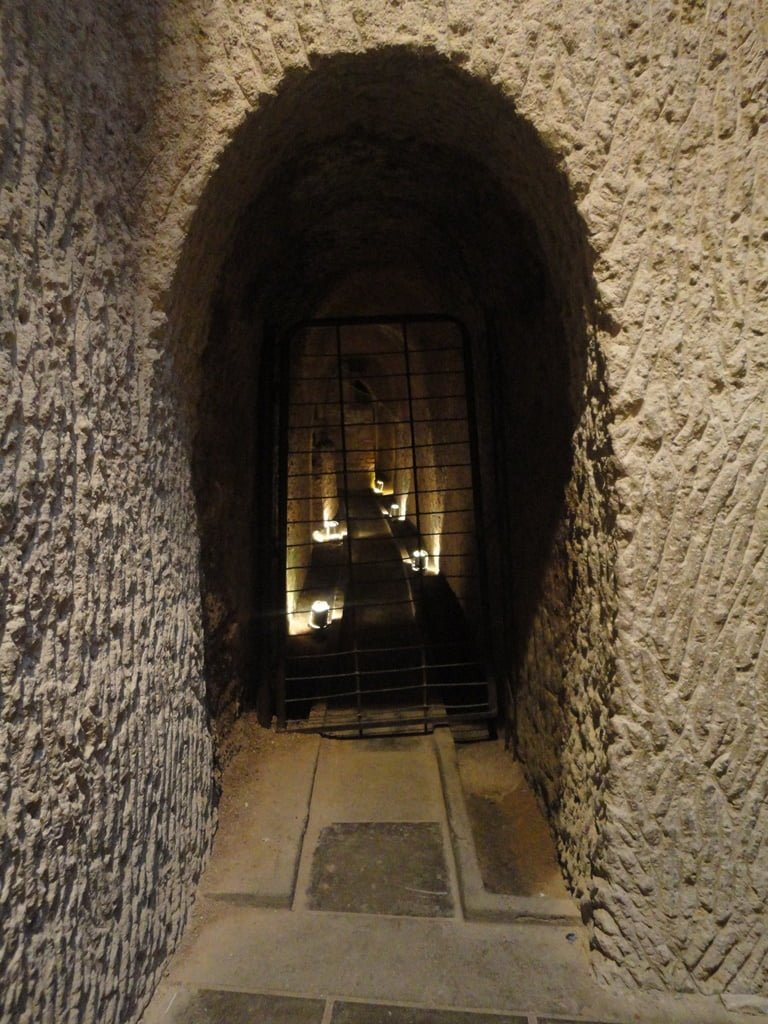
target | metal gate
[{"x": 381, "y": 567}]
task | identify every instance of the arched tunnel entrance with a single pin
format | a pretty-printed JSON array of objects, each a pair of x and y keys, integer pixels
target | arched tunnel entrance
[{"x": 372, "y": 188}]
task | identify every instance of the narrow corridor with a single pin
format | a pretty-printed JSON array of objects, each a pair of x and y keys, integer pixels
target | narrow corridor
[
  {"x": 383, "y": 585},
  {"x": 402, "y": 649}
]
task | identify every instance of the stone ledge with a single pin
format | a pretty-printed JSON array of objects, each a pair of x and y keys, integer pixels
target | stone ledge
[{"x": 477, "y": 902}]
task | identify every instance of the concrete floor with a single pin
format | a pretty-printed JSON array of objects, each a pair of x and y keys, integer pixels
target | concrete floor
[{"x": 345, "y": 887}]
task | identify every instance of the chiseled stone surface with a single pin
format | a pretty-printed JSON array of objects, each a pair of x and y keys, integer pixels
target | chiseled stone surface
[
  {"x": 105, "y": 780},
  {"x": 644, "y": 706}
]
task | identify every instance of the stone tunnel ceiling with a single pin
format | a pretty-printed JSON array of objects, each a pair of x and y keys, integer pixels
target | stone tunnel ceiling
[{"x": 625, "y": 145}]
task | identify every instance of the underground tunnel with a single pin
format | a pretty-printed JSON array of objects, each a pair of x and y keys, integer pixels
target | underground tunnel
[
  {"x": 194, "y": 195},
  {"x": 381, "y": 563},
  {"x": 389, "y": 348}
]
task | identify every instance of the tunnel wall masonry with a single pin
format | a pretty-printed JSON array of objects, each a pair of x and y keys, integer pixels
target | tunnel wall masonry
[
  {"x": 643, "y": 109},
  {"x": 658, "y": 779},
  {"x": 105, "y": 755}
]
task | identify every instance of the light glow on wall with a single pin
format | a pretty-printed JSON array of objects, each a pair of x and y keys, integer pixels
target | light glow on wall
[{"x": 435, "y": 557}]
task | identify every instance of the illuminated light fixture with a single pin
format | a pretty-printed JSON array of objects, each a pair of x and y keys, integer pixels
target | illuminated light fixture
[
  {"x": 330, "y": 531},
  {"x": 378, "y": 486},
  {"x": 394, "y": 511},
  {"x": 320, "y": 615},
  {"x": 419, "y": 560}
]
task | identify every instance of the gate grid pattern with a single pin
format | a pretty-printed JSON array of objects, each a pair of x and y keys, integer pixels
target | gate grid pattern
[{"x": 383, "y": 592}]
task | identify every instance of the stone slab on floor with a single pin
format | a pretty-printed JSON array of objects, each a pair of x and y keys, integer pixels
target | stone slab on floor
[
  {"x": 378, "y": 782},
  {"x": 263, "y": 815},
  {"x": 211, "y": 1006},
  {"x": 381, "y": 868},
  {"x": 514, "y": 845},
  {"x": 373, "y": 1013},
  {"x": 572, "y": 1020},
  {"x": 477, "y": 902},
  {"x": 384, "y": 779},
  {"x": 423, "y": 961}
]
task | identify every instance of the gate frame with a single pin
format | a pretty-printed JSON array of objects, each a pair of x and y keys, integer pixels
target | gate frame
[{"x": 271, "y": 549}]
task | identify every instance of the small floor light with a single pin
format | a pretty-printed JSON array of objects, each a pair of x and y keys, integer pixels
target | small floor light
[
  {"x": 330, "y": 531},
  {"x": 394, "y": 511},
  {"x": 419, "y": 560},
  {"x": 320, "y": 615}
]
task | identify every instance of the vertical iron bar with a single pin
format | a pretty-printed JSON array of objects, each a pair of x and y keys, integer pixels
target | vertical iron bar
[
  {"x": 406, "y": 355},
  {"x": 503, "y": 650},
  {"x": 474, "y": 448},
  {"x": 348, "y": 611},
  {"x": 280, "y": 530},
  {"x": 266, "y": 648}
]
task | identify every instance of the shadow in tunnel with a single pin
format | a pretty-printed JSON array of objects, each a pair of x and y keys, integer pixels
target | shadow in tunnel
[
  {"x": 396, "y": 474},
  {"x": 390, "y": 180}
]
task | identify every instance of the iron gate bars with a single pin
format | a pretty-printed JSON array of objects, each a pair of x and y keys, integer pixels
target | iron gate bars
[{"x": 384, "y": 584}]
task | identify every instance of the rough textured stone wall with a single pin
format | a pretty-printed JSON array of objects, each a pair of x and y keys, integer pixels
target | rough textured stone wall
[
  {"x": 105, "y": 758},
  {"x": 124, "y": 176},
  {"x": 680, "y": 226},
  {"x": 226, "y": 479},
  {"x": 563, "y": 612},
  {"x": 653, "y": 111}
]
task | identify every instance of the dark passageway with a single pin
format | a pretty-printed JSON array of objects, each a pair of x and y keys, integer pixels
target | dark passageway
[
  {"x": 198, "y": 559},
  {"x": 380, "y": 528},
  {"x": 372, "y": 185}
]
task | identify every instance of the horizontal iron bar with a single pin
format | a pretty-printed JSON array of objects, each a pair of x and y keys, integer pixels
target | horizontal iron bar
[
  {"x": 416, "y": 685},
  {"x": 315, "y": 403},
  {"x": 459, "y": 372},
  {"x": 475, "y": 665},
  {"x": 465, "y": 707},
  {"x": 378, "y": 580},
  {"x": 356, "y": 520},
  {"x": 376, "y": 650},
  {"x": 442, "y": 347},
  {"x": 317, "y": 472},
  {"x": 368, "y": 424},
  {"x": 377, "y": 497},
  {"x": 365, "y": 672},
  {"x": 375, "y": 517},
  {"x": 389, "y": 320},
  {"x": 381, "y": 449},
  {"x": 422, "y": 533},
  {"x": 340, "y": 586},
  {"x": 390, "y": 723}
]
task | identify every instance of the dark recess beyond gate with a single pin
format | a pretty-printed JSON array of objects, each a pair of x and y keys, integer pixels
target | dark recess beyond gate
[{"x": 377, "y": 569}]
